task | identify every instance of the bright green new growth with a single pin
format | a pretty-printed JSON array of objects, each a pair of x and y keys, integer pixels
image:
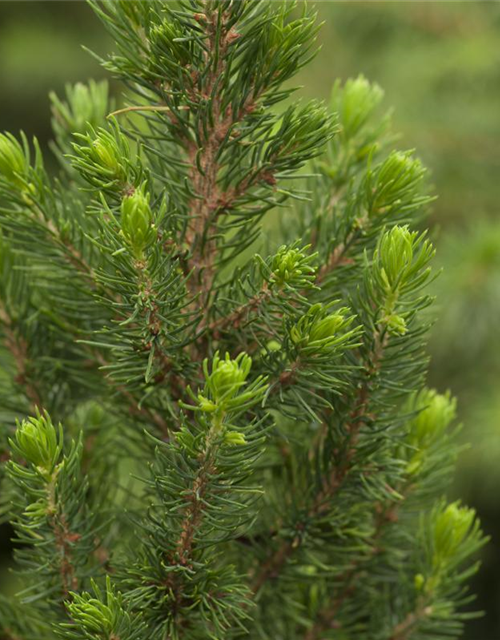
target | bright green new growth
[
  {"x": 101, "y": 615},
  {"x": 136, "y": 221},
  {"x": 225, "y": 385},
  {"x": 38, "y": 442},
  {"x": 86, "y": 106},
  {"x": 248, "y": 447},
  {"x": 434, "y": 413},
  {"x": 291, "y": 266},
  {"x": 12, "y": 160}
]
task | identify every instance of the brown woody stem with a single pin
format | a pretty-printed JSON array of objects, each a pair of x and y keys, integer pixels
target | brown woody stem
[
  {"x": 63, "y": 540},
  {"x": 193, "y": 513},
  {"x": 404, "y": 630},
  {"x": 210, "y": 201}
]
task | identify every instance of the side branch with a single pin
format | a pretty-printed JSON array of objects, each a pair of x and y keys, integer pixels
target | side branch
[
  {"x": 350, "y": 578},
  {"x": 335, "y": 480},
  {"x": 64, "y": 538},
  {"x": 275, "y": 563}
]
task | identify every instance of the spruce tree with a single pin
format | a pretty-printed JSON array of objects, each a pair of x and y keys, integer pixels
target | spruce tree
[{"x": 208, "y": 430}]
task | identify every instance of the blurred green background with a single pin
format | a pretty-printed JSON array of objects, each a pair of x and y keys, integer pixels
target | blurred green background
[{"x": 439, "y": 63}]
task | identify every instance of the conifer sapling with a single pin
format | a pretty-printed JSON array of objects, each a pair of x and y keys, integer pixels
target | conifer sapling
[{"x": 208, "y": 431}]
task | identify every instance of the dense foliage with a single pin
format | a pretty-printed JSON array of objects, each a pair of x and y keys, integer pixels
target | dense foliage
[{"x": 248, "y": 448}]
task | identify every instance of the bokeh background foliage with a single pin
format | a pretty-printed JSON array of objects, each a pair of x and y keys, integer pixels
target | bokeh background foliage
[{"x": 439, "y": 64}]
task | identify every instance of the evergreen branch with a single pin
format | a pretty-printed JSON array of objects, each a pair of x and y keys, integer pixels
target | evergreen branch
[
  {"x": 431, "y": 415},
  {"x": 54, "y": 527},
  {"x": 208, "y": 451},
  {"x": 41, "y": 205},
  {"x": 226, "y": 379},
  {"x": 19, "y": 346},
  {"x": 101, "y": 615},
  {"x": 332, "y": 482},
  {"x": 272, "y": 567},
  {"x": 384, "y": 295}
]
